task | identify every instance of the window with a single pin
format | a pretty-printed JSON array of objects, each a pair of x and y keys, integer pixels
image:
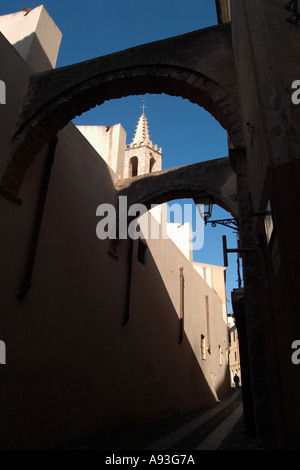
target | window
[
  {"x": 152, "y": 162},
  {"x": 203, "y": 347},
  {"x": 133, "y": 167},
  {"x": 142, "y": 250},
  {"x": 268, "y": 222}
]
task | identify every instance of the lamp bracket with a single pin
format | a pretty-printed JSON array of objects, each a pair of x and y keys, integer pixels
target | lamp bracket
[
  {"x": 231, "y": 223},
  {"x": 233, "y": 250}
]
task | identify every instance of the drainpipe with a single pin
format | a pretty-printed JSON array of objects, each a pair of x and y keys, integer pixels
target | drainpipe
[
  {"x": 26, "y": 283},
  {"x": 128, "y": 286},
  {"x": 181, "y": 311}
]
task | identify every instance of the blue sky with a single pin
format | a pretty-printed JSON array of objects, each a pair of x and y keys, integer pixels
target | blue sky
[{"x": 186, "y": 132}]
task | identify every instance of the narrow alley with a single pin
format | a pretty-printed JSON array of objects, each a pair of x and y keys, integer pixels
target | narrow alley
[{"x": 220, "y": 427}]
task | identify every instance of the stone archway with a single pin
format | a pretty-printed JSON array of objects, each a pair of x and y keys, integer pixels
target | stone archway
[
  {"x": 198, "y": 66},
  {"x": 214, "y": 178}
]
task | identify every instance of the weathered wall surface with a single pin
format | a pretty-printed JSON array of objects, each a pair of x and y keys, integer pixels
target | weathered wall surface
[
  {"x": 265, "y": 46},
  {"x": 267, "y": 59}
]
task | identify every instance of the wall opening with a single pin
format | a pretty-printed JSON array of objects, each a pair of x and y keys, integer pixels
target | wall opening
[
  {"x": 133, "y": 166},
  {"x": 152, "y": 163}
]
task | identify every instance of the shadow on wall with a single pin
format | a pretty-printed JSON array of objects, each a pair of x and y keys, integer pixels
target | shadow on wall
[
  {"x": 32, "y": 51},
  {"x": 172, "y": 379},
  {"x": 72, "y": 368}
]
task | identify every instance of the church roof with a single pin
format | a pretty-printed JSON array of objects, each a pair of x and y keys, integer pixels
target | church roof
[{"x": 142, "y": 132}]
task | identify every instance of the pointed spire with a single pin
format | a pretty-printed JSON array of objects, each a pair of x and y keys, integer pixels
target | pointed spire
[
  {"x": 142, "y": 131},
  {"x": 141, "y": 156}
]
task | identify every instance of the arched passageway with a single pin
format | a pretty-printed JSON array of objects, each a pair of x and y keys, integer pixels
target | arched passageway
[
  {"x": 198, "y": 66},
  {"x": 214, "y": 178}
]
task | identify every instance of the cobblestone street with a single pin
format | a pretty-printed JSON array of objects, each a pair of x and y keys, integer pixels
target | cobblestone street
[{"x": 220, "y": 427}]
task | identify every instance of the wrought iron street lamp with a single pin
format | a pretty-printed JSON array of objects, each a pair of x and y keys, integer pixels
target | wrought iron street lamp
[{"x": 205, "y": 205}]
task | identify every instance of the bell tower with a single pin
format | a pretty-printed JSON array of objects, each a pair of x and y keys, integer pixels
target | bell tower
[{"x": 141, "y": 156}]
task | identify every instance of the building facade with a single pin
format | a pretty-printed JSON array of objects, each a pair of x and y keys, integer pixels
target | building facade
[
  {"x": 244, "y": 71},
  {"x": 94, "y": 342}
]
